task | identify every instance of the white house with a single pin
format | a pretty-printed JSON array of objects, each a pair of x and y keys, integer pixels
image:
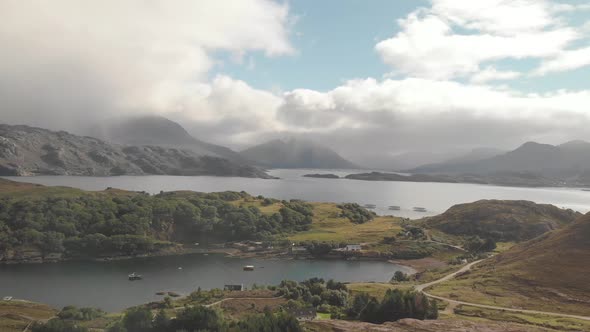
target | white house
[{"x": 352, "y": 247}]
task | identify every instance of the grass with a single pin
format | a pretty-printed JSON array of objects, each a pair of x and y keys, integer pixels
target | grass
[
  {"x": 504, "y": 292},
  {"x": 100, "y": 323},
  {"x": 15, "y": 315},
  {"x": 323, "y": 315},
  {"x": 503, "y": 246},
  {"x": 552, "y": 322},
  {"x": 253, "y": 201},
  {"x": 328, "y": 226},
  {"x": 375, "y": 289}
]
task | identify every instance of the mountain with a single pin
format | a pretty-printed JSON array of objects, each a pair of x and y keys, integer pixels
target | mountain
[
  {"x": 570, "y": 160},
  {"x": 159, "y": 131},
  {"x": 406, "y": 160},
  {"x": 457, "y": 161},
  {"x": 475, "y": 155},
  {"x": 502, "y": 220},
  {"x": 28, "y": 150},
  {"x": 295, "y": 153},
  {"x": 548, "y": 273}
]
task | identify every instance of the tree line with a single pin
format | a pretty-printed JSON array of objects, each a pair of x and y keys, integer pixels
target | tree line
[{"x": 106, "y": 223}]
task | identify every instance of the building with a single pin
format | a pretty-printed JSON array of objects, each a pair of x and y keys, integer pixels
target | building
[
  {"x": 352, "y": 247},
  {"x": 234, "y": 288}
]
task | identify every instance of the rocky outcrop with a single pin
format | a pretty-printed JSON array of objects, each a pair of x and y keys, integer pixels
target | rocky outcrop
[{"x": 27, "y": 150}]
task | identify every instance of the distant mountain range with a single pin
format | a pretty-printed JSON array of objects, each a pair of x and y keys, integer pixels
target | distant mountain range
[
  {"x": 28, "y": 150},
  {"x": 159, "y": 131},
  {"x": 569, "y": 161},
  {"x": 295, "y": 153}
]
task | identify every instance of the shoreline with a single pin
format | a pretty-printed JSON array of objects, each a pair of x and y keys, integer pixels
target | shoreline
[{"x": 412, "y": 265}]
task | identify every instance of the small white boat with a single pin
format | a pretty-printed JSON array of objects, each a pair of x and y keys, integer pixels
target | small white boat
[
  {"x": 248, "y": 267},
  {"x": 7, "y": 298},
  {"x": 134, "y": 276}
]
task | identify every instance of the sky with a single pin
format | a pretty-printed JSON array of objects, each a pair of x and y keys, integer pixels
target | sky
[{"x": 371, "y": 79}]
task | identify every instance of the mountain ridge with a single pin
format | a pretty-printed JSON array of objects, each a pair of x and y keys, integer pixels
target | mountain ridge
[
  {"x": 295, "y": 153},
  {"x": 26, "y": 150},
  {"x": 159, "y": 131},
  {"x": 568, "y": 160}
]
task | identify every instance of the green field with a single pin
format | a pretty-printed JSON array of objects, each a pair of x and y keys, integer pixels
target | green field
[{"x": 328, "y": 226}]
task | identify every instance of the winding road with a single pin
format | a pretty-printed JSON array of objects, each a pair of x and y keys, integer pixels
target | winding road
[{"x": 422, "y": 288}]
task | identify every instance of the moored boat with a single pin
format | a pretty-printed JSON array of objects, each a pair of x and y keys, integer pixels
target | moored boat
[
  {"x": 248, "y": 267},
  {"x": 394, "y": 207},
  {"x": 419, "y": 209},
  {"x": 134, "y": 276}
]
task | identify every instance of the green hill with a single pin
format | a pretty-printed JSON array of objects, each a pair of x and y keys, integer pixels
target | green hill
[
  {"x": 548, "y": 273},
  {"x": 501, "y": 220}
]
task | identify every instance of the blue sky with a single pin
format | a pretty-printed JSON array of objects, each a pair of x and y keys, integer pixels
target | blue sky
[{"x": 334, "y": 40}]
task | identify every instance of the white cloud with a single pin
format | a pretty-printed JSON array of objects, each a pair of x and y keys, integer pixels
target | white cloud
[
  {"x": 127, "y": 55},
  {"x": 367, "y": 116},
  {"x": 229, "y": 111},
  {"x": 564, "y": 61},
  {"x": 493, "y": 74},
  {"x": 567, "y": 7},
  {"x": 496, "y": 16},
  {"x": 453, "y": 38}
]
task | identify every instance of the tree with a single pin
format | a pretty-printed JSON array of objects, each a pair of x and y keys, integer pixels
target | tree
[
  {"x": 161, "y": 321},
  {"x": 199, "y": 318},
  {"x": 399, "y": 276},
  {"x": 57, "y": 325},
  {"x": 359, "y": 303},
  {"x": 335, "y": 285},
  {"x": 168, "y": 302},
  {"x": 476, "y": 245},
  {"x": 138, "y": 319}
]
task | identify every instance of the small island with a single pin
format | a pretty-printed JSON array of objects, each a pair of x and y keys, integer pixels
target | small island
[
  {"x": 379, "y": 176},
  {"x": 322, "y": 176}
]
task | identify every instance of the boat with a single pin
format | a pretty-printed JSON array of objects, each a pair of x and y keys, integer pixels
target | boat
[
  {"x": 394, "y": 207},
  {"x": 135, "y": 276},
  {"x": 419, "y": 209},
  {"x": 7, "y": 298},
  {"x": 248, "y": 267},
  {"x": 370, "y": 206}
]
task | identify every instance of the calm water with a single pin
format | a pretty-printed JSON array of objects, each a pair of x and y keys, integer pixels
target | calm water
[
  {"x": 435, "y": 197},
  {"x": 105, "y": 285}
]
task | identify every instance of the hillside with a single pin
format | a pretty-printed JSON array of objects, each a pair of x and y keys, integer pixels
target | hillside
[
  {"x": 159, "y": 131},
  {"x": 450, "y": 164},
  {"x": 501, "y": 220},
  {"x": 548, "y": 273},
  {"x": 568, "y": 162},
  {"x": 28, "y": 150},
  {"x": 295, "y": 153},
  {"x": 39, "y": 223}
]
